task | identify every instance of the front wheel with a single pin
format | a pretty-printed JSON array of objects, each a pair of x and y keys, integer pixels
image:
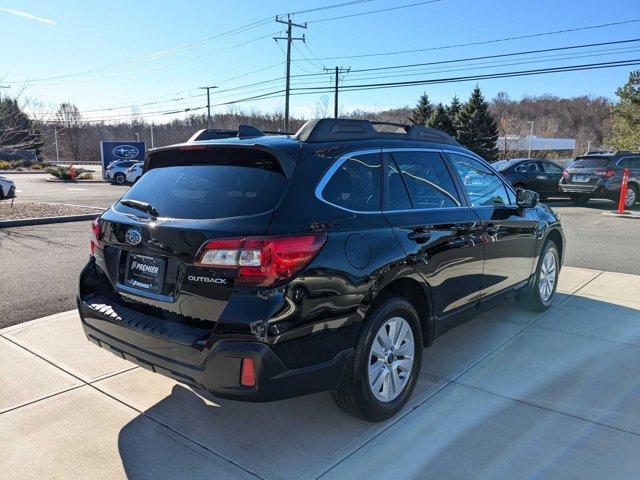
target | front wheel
[
  {"x": 540, "y": 294},
  {"x": 386, "y": 362}
]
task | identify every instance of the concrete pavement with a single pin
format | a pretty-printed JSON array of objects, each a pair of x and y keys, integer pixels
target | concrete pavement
[{"x": 511, "y": 394}]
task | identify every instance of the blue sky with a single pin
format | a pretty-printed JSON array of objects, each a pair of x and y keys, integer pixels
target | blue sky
[{"x": 43, "y": 40}]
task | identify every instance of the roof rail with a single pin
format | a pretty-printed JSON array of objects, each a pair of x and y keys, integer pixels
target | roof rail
[{"x": 332, "y": 129}]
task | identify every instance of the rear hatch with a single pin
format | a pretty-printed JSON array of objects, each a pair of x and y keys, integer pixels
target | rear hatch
[
  {"x": 150, "y": 239},
  {"x": 586, "y": 171}
]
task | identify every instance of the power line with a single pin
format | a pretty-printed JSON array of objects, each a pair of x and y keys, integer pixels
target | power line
[
  {"x": 374, "y": 11},
  {"x": 160, "y": 54},
  {"x": 327, "y": 7},
  {"x": 484, "y": 42}
]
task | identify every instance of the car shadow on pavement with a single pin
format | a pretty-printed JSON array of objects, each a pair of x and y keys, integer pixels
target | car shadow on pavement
[{"x": 572, "y": 373}]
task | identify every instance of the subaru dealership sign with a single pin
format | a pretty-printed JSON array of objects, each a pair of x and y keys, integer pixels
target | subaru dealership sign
[{"x": 115, "y": 151}]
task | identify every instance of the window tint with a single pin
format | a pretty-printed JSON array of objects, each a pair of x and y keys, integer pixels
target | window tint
[
  {"x": 551, "y": 168},
  {"x": 356, "y": 184},
  {"x": 483, "y": 185},
  {"x": 427, "y": 179},
  {"x": 207, "y": 191},
  {"x": 398, "y": 196},
  {"x": 529, "y": 167},
  {"x": 629, "y": 163},
  {"x": 590, "y": 162}
]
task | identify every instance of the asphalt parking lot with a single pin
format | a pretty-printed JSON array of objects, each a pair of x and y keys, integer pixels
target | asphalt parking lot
[
  {"x": 35, "y": 188},
  {"x": 510, "y": 394}
]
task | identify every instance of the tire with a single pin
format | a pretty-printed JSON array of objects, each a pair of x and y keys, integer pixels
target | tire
[
  {"x": 579, "y": 201},
  {"x": 120, "y": 178},
  {"x": 632, "y": 196},
  {"x": 539, "y": 296},
  {"x": 356, "y": 394}
]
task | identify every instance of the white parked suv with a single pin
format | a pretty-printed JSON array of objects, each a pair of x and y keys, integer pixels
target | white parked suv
[
  {"x": 117, "y": 171},
  {"x": 7, "y": 188},
  {"x": 134, "y": 172}
]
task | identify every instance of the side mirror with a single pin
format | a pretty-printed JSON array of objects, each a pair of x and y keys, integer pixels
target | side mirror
[{"x": 526, "y": 198}]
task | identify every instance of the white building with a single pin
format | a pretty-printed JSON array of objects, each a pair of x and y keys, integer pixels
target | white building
[{"x": 538, "y": 144}]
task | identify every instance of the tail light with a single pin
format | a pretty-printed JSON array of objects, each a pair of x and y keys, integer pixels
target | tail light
[
  {"x": 605, "y": 172},
  {"x": 261, "y": 261},
  {"x": 565, "y": 173},
  {"x": 95, "y": 235}
]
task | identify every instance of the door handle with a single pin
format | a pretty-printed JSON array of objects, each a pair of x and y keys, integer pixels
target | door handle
[
  {"x": 491, "y": 229},
  {"x": 419, "y": 235}
]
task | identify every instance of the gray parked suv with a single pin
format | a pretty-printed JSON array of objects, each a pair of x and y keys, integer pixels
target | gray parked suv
[{"x": 599, "y": 175}]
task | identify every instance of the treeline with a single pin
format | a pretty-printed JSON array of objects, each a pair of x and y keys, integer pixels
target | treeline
[{"x": 477, "y": 123}]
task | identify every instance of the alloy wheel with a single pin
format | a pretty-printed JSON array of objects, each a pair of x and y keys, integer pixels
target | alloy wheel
[
  {"x": 391, "y": 359},
  {"x": 630, "y": 199},
  {"x": 548, "y": 273}
]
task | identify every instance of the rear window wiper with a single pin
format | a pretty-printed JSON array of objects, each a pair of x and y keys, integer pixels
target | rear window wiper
[{"x": 138, "y": 205}]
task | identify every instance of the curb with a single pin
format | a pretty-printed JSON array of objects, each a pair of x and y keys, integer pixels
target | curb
[
  {"x": 29, "y": 172},
  {"x": 626, "y": 214},
  {"x": 21, "y": 222},
  {"x": 77, "y": 182}
]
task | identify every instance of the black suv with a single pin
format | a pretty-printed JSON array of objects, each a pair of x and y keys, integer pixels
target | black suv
[
  {"x": 541, "y": 176},
  {"x": 266, "y": 267},
  {"x": 599, "y": 175}
]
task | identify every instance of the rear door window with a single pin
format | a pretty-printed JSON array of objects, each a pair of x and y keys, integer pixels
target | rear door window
[
  {"x": 425, "y": 177},
  {"x": 551, "y": 168},
  {"x": 356, "y": 184},
  {"x": 483, "y": 186},
  {"x": 209, "y": 191}
]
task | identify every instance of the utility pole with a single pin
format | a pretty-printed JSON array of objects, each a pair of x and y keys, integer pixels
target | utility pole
[
  {"x": 208, "y": 104},
  {"x": 55, "y": 140},
  {"x": 289, "y": 39},
  {"x": 137, "y": 137},
  {"x": 151, "y": 128},
  {"x": 530, "y": 138},
  {"x": 338, "y": 71}
]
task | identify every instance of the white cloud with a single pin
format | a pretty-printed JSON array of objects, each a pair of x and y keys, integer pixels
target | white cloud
[{"x": 28, "y": 16}]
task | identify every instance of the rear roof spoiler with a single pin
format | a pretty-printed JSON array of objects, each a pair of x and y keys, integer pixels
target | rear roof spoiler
[{"x": 336, "y": 129}]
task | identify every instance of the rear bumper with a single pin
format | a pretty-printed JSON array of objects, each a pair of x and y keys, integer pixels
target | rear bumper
[
  {"x": 220, "y": 371},
  {"x": 597, "y": 190}
]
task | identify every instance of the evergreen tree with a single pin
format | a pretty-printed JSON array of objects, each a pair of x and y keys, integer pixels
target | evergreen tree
[
  {"x": 422, "y": 112},
  {"x": 625, "y": 115},
  {"x": 477, "y": 129},
  {"x": 440, "y": 119},
  {"x": 454, "y": 109},
  {"x": 16, "y": 128}
]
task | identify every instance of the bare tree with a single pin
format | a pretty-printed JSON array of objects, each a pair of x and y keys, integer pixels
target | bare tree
[{"x": 69, "y": 120}]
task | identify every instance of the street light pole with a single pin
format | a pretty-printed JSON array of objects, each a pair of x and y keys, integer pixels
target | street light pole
[
  {"x": 151, "y": 128},
  {"x": 530, "y": 137},
  {"x": 55, "y": 140},
  {"x": 137, "y": 136}
]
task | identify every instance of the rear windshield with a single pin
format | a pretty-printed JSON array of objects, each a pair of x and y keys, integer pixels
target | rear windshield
[
  {"x": 501, "y": 166},
  {"x": 590, "y": 162},
  {"x": 208, "y": 191}
]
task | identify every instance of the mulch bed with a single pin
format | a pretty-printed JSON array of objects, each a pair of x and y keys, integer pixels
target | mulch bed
[{"x": 21, "y": 210}]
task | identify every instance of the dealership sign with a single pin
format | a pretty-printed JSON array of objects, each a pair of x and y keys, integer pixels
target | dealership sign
[{"x": 116, "y": 151}]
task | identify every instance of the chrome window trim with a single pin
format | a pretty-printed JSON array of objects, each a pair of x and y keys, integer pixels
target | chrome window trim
[{"x": 338, "y": 163}]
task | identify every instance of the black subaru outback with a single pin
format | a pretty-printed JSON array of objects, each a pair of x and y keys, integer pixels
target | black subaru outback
[
  {"x": 599, "y": 175},
  {"x": 265, "y": 267}
]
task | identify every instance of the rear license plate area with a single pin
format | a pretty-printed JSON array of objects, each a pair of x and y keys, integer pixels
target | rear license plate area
[
  {"x": 144, "y": 272},
  {"x": 581, "y": 178}
]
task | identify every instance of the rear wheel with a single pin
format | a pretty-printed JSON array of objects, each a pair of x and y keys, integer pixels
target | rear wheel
[
  {"x": 386, "y": 362},
  {"x": 632, "y": 196},
  {"x": 579, "y": 201},
  {"x": 539, "y": 297}
]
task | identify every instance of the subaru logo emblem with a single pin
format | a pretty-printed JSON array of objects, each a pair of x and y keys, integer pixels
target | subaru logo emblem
[
  {"x": 133, "y": 236},
  {"x": 125, "y": 151}
]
